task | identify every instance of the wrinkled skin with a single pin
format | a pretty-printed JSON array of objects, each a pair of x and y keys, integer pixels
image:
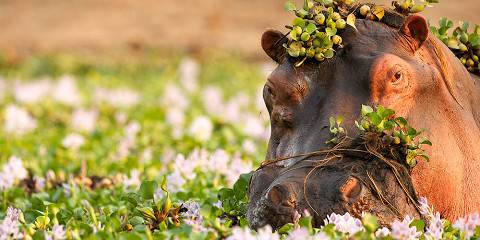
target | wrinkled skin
[
  {"x": 341, "y": 186},
  {"x": 401, "y": 67}
]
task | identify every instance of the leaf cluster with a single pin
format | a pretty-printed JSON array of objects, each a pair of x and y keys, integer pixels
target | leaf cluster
[
  {"x": 395, "y": 130},
  {"x": 464, "y": 43}
]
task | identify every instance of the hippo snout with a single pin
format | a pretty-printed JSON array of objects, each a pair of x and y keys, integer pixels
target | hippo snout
[{"x": 276, "y": 207}]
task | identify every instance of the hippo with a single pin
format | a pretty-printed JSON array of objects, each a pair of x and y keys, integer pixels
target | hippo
[
  {"x": 396, "y": 63},
  {"x": 357, "y": 176}
]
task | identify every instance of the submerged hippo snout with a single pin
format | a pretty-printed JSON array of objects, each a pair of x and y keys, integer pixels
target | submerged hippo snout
[{"x": 279, "y": 203}]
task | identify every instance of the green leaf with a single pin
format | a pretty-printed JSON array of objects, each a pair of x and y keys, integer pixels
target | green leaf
[
  {"x": 411, "y": 131},
  {"x": 286, "y": 229},
  {"x": 402, "y": 122},
  {"x": 147, "y": 213},
  {"x": 464, "y": 26},
  {"x": 290, "y": 6},
  {"x": 374, "y": 118},
  {"x": 306, "y": 222},
  {"x": 147, "y": 189},
  {"x": 299, "y": 22},
  {"x": 366, "y": 110},
  {"x": 329, "y": 53},
  {"x": 425, "y": 141},
  {"x": 419, "y": 224},
  {"x": 370, "y": 222},
  {"x": 311, "y": 28},
  {"x": 331, "y": 31}
]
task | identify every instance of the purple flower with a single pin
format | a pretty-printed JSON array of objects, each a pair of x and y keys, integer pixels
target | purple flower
[
  {"x": 10, "y": 226},
  {"x": 403, "y": 231},
  {"x": 344, "y": 223}
]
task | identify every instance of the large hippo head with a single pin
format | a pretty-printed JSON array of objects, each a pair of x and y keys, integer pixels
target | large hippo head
[{"x": 395, "y": 63}]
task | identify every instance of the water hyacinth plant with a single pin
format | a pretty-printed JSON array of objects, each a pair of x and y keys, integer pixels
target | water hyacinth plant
[{"x": 315, "y": 33}]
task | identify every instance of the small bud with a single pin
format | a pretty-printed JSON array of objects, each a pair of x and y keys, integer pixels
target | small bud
[
  {"x": 470, "y": 63},
  {"x": 336, "y": 16},
  {"x": 320, "y": 19},
  {"x": 364, "y": 10},
  {"x": 341, "y": 24},
  {"x": 337, "y": 40}
]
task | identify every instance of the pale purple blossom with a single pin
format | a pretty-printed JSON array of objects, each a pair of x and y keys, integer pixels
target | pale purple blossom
[
  {"x": 128, "y": 141},
  {"x": 133, "y": 180},
  {"x": 73, "y": 141},
  {"x": 237, "y": 167},
  {"x": 425, "y": 209},
  {"x": 39, "y": 183},
  {"x": 382, "y": 232},
  {"x": 57, "y": 233},
  {"x": 185, "y": 166},
  {"x": 10, "y": 226},
  {"x": 345, "y": 223},
  {"x": 65, "y": 91},
  {"x": 212, "y": 98},
  {"x": 188, "y": 71},
  {"x": 121, "y": 118},
  {"x": 84, "y": 120},
  {"x": 147, "y": 155},
  {"x": 175, "y": 182},
  {"x": 254, "y": 128},
  {"x": 218, "y": 161},
  {"x": 18, "y": 121},
  {"x": 468, "y": 225},
  {"x": 176, "y": 118},
  {"x": 174, "y": 97},
  {"x": 192, "y": 215},
  {"x": 201, "y": 129},
  {"x": 218, "y": 204},
  {"x": 13, "y": 172},
  {"x": 249, "y": 146},
  {"x": 121, "y": 97},
  {"x": 303, "y": 234},
  {"x": 266, "y": 233},
  {"x": 239, "y": 233},
  {"x": 435, "y": 228},
  {"x": 403, "y": 231},
  {"x": 31, "y": 92}
]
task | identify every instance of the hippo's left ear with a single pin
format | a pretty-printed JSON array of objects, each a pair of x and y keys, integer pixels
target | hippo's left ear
[{"x": 415, "y": 30}]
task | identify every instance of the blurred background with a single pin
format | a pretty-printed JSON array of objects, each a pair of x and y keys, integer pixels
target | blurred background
[{"x": 105, "y": 27}]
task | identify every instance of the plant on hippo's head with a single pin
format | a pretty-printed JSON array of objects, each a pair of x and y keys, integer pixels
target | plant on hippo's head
[
  {"x": 463, "y": 43},
  {"x": 316, "y": 31},
  {"x": 394, "y": 131}
]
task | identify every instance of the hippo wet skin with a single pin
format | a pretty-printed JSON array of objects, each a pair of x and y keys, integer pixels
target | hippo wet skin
[{"x": 396, "y": 63}]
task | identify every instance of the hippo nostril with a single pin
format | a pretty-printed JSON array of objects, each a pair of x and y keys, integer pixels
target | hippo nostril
[{"x": 281, "y": 195}]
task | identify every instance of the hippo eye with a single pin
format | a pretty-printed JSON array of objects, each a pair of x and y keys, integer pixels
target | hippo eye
[
  {"x": 270, "y": 91},
  {"x": 398, "y": 76}
]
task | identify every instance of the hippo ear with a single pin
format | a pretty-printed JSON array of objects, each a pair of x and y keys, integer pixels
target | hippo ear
[
  {"x": 415, "y": 29},
  {"x": 272, "y": 41}
]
